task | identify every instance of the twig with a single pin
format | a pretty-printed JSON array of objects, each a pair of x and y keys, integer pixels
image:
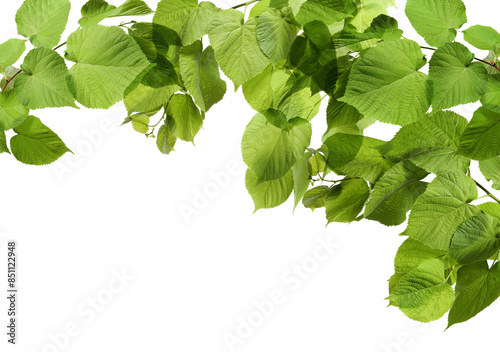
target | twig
[{"x": 10, "y": 79}]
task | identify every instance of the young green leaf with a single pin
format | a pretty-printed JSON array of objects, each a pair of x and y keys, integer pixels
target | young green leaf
[
  {"x": 269, "y": 194},
  {"x": 140, "y": 123},
  {"x": 262, "y": 91},
  {"x": 481, "y": 138},
  {"x": 491, "y": 170},
  {"x": 94, "y": 11},
  {"x": 329, "y": 12},
  {"x": 315, "y": 197},
  {"x": 482, "y": 37},
  {"x": 166, "y": 139},
  {"x": 187, "y": 117},
  {"x": 301, "y": 178},
  {"x": 10, "y": 52},
  {"x": 3, "y": 143},
  {"x": 145, "y": 99},
  {"x": 345, "y": 201},
  {"x": 12, "y": 113}
]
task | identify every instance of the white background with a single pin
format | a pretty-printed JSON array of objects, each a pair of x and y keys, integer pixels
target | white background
[{"x": 118, "y": 208}]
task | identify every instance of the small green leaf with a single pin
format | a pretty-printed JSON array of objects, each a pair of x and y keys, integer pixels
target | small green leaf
[
  {"x": 12, "y": 113},
  {"x": 94, "y": 11},
  {"x": 10, "y": 52},
  {"x": 140, "y": 123},
  {"x": 166, "y": 139},
  {"x": 436, "y": 20},
  {"x": 345, "y": 201},
  {"x": 482, "y": 37},
  {"x": 263, "y": 91},
  {"x": 186, "y": 116},
  {"x": 301, "y": 178},
  {"x": 145, "y": 99},
  {"x": 269, "y": 194},
  {"x": 36, "y": 144},
  {"x": 3, "y": 143},
  {"x": 315, "y": 197},
  {"x": 43, "y": 21},
  {"x": 481, "y": 138},
  {"x": 491, "y": 170},
  {"x": 411, "y": 254},
  {"x": 327, "y": 11},
  {"x": 491, "y": 99}
]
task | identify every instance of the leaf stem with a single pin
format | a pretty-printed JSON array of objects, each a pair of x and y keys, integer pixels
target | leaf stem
[
  {"x": 492, "y": 63},
  {"x": 244, "y": 4},
  {"x": 10, "y": 79},
  {"x": 487, "y": 192}
]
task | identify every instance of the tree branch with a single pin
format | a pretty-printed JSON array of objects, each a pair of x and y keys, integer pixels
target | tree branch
[
  {"x": 492, "y": 63},
  {"x": 10, "y": 79}
]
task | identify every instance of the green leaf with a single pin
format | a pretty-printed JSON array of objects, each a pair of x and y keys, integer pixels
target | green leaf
[
  {"x": 263, "y": 5},
  {"x": 269, "y": 151},
  {"x": 413, "y": 253},
  {"x": 103, "y": 72},
  {"x": 490, "y": 208},
  {"x": 12, "y": 113},
  {"x": 395, "y": 193},
  {"x": 482, "y": 37},
  {"x": 43, "y": 82},
  {"x": 481, "y": 138},
  {"x": 200, "y": 73},
  {"x": 188, "y": 18},
  {"x": 36, "y": 144},
  {"x": 423, "y": 294},
  {"x": 94, "y": 11},
  {"x": 186, "y": 116},
  {"x": 315, "y": 197},
  {"x": 43, "y": 21},
  {"x": 262, "y": 90},
  {"x": 387, "y": 71},
  {"x": 346, "y": 200},
  {"x": 140, "y": 123},
  {"x": 477, "y": 287},
  {"x": 436, "y": 20},
  {"x": 442, "y": 208},
  {"x": 456, "y": 80},
  {"x": 145, "y": 99},
  {"x": 3, "y": 143},
  {"x": 490, "y": 169},
  {"x": 269, "y": 194},
  {"x": 366, "y": 14},
  {"x": 236, "y": 47},
  {"x": 491, "y": 99},
  {"x": 166, "y": 139},
  {"x": 327, "y": 11},
  {"x": 431, "y": 143},
  {"x": 275, "y": 34},
  {"x": 356, "y": 156},
  {"x": 10, "y": 52},
  {"x": 301, "y": 178}
]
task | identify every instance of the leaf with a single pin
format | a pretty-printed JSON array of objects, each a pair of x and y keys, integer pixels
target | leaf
[
  {"x": 263, "y": 5},
  {"x": 140, "y": 123},
  {"x": 327, "y": 11},
  {"x": 187, "y": 117},
  {"x": 366, "y": 14},
  {"x": 413, "y": 253},
  {"x": 356, "y": 156},
  {"x": 301, "y": 178},
  {"x": 10, "y": 52},
  {"x": 103, "y": 72},
  {"x": 385, "y": 83},
  {"x": 43, "y": 21},
  {"x": 43, "y": 82},
  {"x": 94, "y": 11},
  {"x": 188, "y": 18},
  {"x": 482, "y": 37},
  {"x": 481, "y": 138},
  {"x": 275, "y": 34},
  {"x": 345, "y": 201},
  {"x": 236, "y": 47},
  {"x": 395, "y": 193},
  {"x": 436, "y": 20},
  {"x": 262, "y": 90},
  {"x": 166, "y": 139},
  {"x": 456, "y": 80},
  {"x": 490, "y": 208},
  {"x": 269, "y": 151},
  {"x": 477, "y": 287},
  {"x": 12, "y": 113},
  {"x": 490, "y": 169},
  {"x": 475, "y": 240},
  {"x": 145, "y": 99},
  {"x": 491, "y": 99},
  {"x": 442, "y": 208},
  {"x": 36, "y": 144},
  {"x": 315, "y": 197},
  {"x": 269, "y": 194},
  {"x": 423, "y": 293},
  {"x": 431, "y": 143},
  {"x": 200, "y": 73}
]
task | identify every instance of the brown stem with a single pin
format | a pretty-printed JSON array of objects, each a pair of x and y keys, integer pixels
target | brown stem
[
  {"x": 10, "y": 79},
  {"x": 492, "y": 63}
]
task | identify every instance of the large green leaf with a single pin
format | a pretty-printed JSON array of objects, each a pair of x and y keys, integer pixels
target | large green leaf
[
  {"x": 442, "y": 208},
  {"x": 10, "y": 52},
  {"x": 270, "y": 151},
  {"x": 200, "y": 73},
  {"x": 43, "y": 21},
  {"x": 395, "y": 193},
  {"x": 356, "y": 156},
  {"x": 423, "y": 294},
  {"x": 36, "y": 144},
  {"x": 411, "y": 254},
  {"x": 327, "y": 11},
  {"x": 385, "y": 83},
  {"x": 94, "y": 11},
  {"x": 491, "y": 170},
  {"x": 345, "y": 201},
  {"x": 12, "y": 113},
  {"x": 186, "y": 116},
  {"x": 436, "y": 20},
  {"x": 276, "y": 33},
  {"x": 188, "y": 18},
  {"x": 263, "y": 91},
  {"x": 477, "y": 287},
  {"x": 269, "y": 194},
  {"x": 236, "y": 47},
  {"x": 475, "y": 240},
  {"x": 43, "y": 82},
  {"x": 481, "y": 138},
  {"x": 107, "y": 62},
  {"x": 482, "y": 37},
  {"x": 431, "y": 143},
  {"x": 456, "y": 80}
]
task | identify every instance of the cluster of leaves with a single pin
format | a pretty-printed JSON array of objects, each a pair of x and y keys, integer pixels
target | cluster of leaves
[{"x": 287, "y": 56}]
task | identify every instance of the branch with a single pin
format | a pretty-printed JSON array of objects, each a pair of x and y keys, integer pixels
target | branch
[
  {"x": 245, "y": 4},
  {"x": 10, "y": 79},
  {"x": 492, "y": 63},
  {"x": 487, "y": 192},
  {"x": 57, "y": 47}
]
